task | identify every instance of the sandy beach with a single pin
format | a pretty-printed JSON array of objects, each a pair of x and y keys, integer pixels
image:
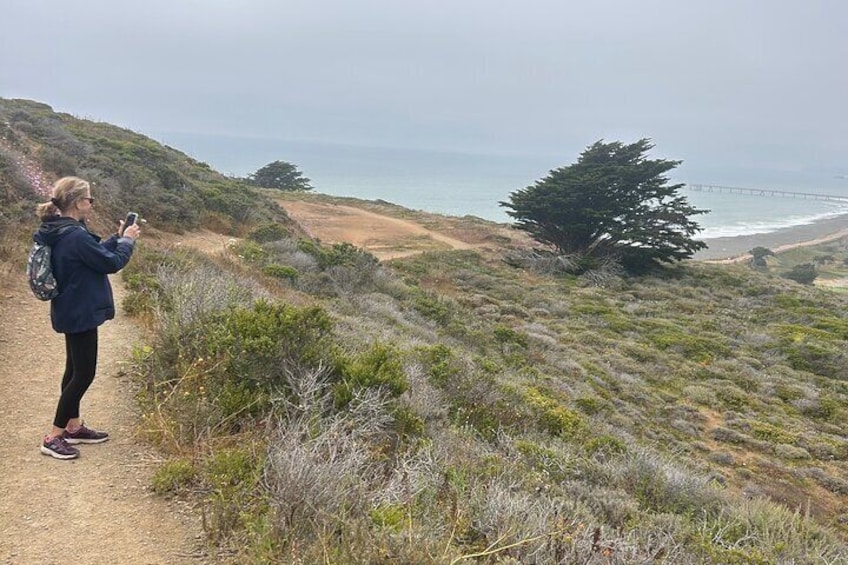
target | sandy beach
[{"x": 728, "y": 248}]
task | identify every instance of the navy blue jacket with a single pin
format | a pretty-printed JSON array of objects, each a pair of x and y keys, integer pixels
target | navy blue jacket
[{"x": 80, "y": 264}]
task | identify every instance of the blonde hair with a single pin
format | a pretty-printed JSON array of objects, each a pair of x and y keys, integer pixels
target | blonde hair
[{"x": 66, "y": 191}]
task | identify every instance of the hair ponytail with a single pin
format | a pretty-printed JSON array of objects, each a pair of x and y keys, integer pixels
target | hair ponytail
[{"x": 47, "y": 210}]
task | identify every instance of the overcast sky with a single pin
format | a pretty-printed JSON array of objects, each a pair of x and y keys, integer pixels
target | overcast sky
[{"x": 760, "y": 81}]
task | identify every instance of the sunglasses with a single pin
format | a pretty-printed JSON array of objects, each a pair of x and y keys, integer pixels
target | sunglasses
[{"x": 89, "y": 198}]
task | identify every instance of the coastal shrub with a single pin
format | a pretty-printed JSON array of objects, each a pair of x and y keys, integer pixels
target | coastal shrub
[
  {"x": 323, "y": 469},
  {"x": 825, "y": 407},
  {"x": 173, "y": 476},
  {"x": 267, "y": 232},
  {"x": 771, "y": 433},
  {"x": 805, "y": 273},
  {"x": 605, "y": 446},
  {"x": 543, "y": 262},
  {"x": 433, "y": 306},
  {"x": 733, "y": 397},
  {"x": 509, "y": 338},
  {"x": 249, "y": 251},
  {"x": 556, "y": 465},
  {"x": 337, "y": 254},
  {"x": 216, "y": 222},
  {"x": 285, "y": 252},
  {"x": 441, "y": 363},
  {"x": 378, "y": 367},
  {"x": 235, "y": 501},
  {"x": 591, "y": 405},
  {"x": 391, "y": 516},
  {"x": 482, "y": 407},
  {"x": 552, "y": 416},
  {"x": 258, "y": 345},
  {"x": 664, "y": 485},
  {"x": 16, "y": 196},
  {"x": 756, "y": 531},
  {"x": 836, "y": 326},
  {"x": 791, "y": 452},
  {"x": 280, "y": 272},
  {"x": 812, "y": 350},
  {"x": 700, "y": 347}
]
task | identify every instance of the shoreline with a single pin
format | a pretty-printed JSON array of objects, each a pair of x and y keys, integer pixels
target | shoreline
[{"x": 730, "y": 249}]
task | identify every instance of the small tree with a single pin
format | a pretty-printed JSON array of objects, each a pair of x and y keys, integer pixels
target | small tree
[
  {"x": 280, "y": 175},
  {"x": 758, "y": 257},
  {"x": 805, "y": 273},
  {"x": 612, "y": 201}
]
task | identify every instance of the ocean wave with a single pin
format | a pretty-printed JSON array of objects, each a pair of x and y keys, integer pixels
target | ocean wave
[{"x": 767, "y": 226}]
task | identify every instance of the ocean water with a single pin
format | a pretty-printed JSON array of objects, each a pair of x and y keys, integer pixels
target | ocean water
[{"x": 473, "y": 184}]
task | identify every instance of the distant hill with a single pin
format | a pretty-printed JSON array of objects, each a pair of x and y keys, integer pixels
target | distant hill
[{"x": 130, "y": 172}]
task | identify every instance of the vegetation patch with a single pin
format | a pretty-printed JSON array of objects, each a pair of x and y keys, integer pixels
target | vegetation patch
[{"x": 552, "y": 415}]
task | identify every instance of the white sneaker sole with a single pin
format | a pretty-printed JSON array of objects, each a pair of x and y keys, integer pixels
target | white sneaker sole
[{"x": 52, "y": 453}]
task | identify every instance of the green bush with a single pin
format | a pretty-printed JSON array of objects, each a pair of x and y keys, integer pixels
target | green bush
[
  {"x": 804, "y": 273},
  {"x": 338, "y": 254},
  {"x": 441, "y": 363},
  {"x": 173, "y": 476},
  {"x": 433, "y": 306},
  {"x": 57, "y": 162},
  {"x": 697, "y": 347},
  {"x": 378, "y": 367},
  {"x": 553, "y": 417},
  {"x": 258, "y": 345},
  {"x": 606, "y": 445},
  {"x": 553, "y": 464},
  {"x": 391, "y": 516},
  {"x": 236, "y": 501},
  {"x": 267, "y": 232},
  {"x": 508, "y": 338},
  {"x": 280, "y": 272},
  {"x": 812, "y": 350},
  {"x": 249, "y": 251},
  {"x": 143, "y": 295}
]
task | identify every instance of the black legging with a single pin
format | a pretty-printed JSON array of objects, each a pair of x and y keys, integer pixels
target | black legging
[{"x": 80, "y": 365}]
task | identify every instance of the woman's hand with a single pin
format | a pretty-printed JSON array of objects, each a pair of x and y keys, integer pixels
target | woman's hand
[{"x": 131, "y": 232}]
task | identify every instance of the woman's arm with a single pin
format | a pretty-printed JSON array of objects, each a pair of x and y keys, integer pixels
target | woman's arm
[{"x": 99, "y": 258}]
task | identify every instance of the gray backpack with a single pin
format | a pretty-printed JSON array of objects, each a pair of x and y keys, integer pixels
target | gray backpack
[{"x": 40, "y": 270}]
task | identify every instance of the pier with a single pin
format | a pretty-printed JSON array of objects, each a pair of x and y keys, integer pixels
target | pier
[{"x": 767, "y": 192}]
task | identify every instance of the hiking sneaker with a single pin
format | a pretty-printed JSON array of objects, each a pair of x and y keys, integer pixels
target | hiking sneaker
[
  {"x": 57, "y": 447},
  {"x": 85, "y": 435}
]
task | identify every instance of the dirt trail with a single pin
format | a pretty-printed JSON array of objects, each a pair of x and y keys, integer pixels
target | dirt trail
[
  {"x": 384, "y": 236},
  {"x": 97, "y": 509}
]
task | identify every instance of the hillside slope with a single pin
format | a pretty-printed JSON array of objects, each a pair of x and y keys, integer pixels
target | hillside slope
[{"x": 129, "y": 171}]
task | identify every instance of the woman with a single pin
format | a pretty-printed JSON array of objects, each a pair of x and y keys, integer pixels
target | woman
[{"x": 80, "y": 264}]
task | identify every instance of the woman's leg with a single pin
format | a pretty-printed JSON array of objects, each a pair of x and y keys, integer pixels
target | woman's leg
[
  {"x": 69, "y": 366},
  {"x": 82, "y": 361}
]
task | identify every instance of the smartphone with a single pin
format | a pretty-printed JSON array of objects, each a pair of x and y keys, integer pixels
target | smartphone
[{"x": 132, "y": 217}]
